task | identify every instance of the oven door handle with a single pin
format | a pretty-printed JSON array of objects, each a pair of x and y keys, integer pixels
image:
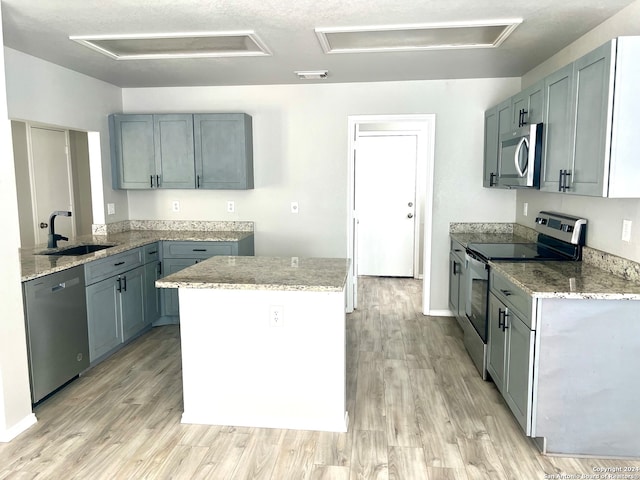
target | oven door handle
[{"x": 524, "y": 141}]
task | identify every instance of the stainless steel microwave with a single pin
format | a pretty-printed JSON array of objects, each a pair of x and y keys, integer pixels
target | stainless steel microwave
[{"x": 520, "y": 157}]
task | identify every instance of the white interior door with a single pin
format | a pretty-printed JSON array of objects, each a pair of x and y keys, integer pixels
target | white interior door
[
  {"x": 50, "y": 177},
  {"x": 385, "y": 199}
]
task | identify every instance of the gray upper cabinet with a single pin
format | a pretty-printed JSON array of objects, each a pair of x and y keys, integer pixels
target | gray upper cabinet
[
  {"x": 557, "y": 128},
  {"x": 173, "y": 135},
  {"x": 132, "y": 151},
  {"x": 497, "y": 121},
  {"x": 185, "y": 151},
  {"x": 223, "y": 151},
  {"x": 527, "y": 106}
]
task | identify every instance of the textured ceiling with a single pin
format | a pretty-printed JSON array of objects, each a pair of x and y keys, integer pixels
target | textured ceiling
[{"x": 41, "y": 28}]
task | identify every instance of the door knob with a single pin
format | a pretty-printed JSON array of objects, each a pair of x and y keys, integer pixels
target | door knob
[
  {"x": 410, "y": 215},
  {"x": 43, "y": 225}
]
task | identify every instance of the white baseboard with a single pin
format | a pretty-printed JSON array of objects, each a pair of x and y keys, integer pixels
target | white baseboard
[
  {"x": 11, "y": 433},
  {"x": 440, "y": 313}
]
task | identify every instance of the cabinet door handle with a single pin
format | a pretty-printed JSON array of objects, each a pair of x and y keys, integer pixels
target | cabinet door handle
[
  {"x": 567, "y": 174},
  {"x": 118, "y": 264},
  {"x": 199, "y": 249},
  {"x": 500, "y": 318},
  {"x": 197, "y": 181},
  {"x": 456, "y": 271},
  {"x": 124, "y": 281},
  {"x": 151, "y": 181},
  {"x": 506, "y": 293},
  {"x": 153, "y": 253},
  {"x": 158, "y": 181},
  {"x": 492, "y": 182},
  {"x": 159, "y": 269},
  {"x": 119, "y": 288}
]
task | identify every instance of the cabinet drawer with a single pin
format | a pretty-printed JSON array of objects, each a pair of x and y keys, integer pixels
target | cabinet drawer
[
  {"x": 151, "y": 253},
  {"x": 112, "y": 265},
  {"x": 512, "y": 296},
  {"x": 198, "y": 250}
]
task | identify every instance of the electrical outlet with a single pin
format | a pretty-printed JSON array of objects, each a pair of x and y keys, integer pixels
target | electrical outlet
[
  {"x": 276, "y": 315},
  {"x": 111, "y": 208},
  {"x": 294, "y": 262},
  {"x": 231, "y": 206},
  {"x": 294, "y": 207},
  {"x": 175, "y": 206},
  {"x": 626, "y": 230},
  {"x": 525, "y": 209}
]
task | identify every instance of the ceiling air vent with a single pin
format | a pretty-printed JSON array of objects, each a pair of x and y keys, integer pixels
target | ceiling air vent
[
  {"x": 175, "y": 45},
  {"x": 438, "y": 36}
]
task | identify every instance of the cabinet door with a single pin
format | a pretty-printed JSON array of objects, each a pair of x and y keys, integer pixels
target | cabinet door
[
  {"x": 151, "y": 293},
  {"x": 103, "y": 315},
  {"x": 490, "y": 148},
  {"x": 531, "y": 100},
  {"x": 593, "y": 94},
  {"x": 454, "y": 283},
  {"x": 132, "y": 151},
  {"x": 132, "y": 302},
  {"x": 558, "y": 127},
  {"x": 170, "y": 301},
  {"x": 223, "y": 151},
  {"x": 517, "y": 389},
  {"x": 174, "y": 157},
  {"x": 496, "y": 342}
]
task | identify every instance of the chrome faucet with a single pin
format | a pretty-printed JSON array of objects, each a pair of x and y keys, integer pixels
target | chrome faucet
[{"x": 53, "y": 236}]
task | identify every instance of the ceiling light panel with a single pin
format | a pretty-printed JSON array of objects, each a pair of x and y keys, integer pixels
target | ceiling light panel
[
  {"x": 485, "y": 34},
  {"x": 176, "y": 45}
]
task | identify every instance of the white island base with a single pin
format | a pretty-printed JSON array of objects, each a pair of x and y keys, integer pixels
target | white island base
[{"x": 240, "y": 368}]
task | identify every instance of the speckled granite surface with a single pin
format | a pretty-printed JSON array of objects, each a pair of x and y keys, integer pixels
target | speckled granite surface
[
  {"x": 567, "y": 280},
  {"x": 190, "y": 225},
  {"x": 599, "y": 275},
  {"x": 34, "y": 265},
  {"x": 262, "y": 273}
]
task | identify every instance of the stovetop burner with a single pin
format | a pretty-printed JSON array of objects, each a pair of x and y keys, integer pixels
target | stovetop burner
[{"x": 515, "y": 252}]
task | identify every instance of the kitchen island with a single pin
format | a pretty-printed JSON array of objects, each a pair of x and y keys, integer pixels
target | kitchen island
[{"x": 263, "y": 342}]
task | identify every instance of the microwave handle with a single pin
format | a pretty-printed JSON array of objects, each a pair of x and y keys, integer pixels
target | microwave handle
[{"x": 523, "y": 141}]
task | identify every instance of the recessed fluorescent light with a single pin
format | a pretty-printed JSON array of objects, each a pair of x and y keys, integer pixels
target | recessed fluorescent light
[
  {"x": 312, "y": 75},
  {"x": 175, "y": 45},
  {"x": 433, "y": 36}
]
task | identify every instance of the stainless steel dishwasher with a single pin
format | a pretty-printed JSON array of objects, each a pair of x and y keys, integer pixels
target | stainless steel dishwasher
[{"x": 56, "y": 323}]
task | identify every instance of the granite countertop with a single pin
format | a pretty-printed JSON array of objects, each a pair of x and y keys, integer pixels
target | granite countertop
[
  {"x": 567, "y": 280},
  {"x": 34, "y": 265},
  {"x": 262, "y": 273}
]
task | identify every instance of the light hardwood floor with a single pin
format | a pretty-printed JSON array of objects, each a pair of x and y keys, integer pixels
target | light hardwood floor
[{"x": 418, "y": 411}]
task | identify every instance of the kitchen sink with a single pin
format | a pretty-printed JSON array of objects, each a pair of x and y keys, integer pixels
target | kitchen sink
[{"x": 77, "y": 250}]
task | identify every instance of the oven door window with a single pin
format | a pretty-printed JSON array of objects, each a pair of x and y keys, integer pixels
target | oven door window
[{"x": 477, "y": 297}]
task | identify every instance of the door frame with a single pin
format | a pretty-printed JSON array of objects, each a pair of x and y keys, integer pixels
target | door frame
[
  {"x": 32, "y": 181},
  {"x": 424, "y": 127}
]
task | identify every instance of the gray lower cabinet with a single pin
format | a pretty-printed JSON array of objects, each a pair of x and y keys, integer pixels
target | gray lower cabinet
[
  {"x": 510, "y": 362},
  {"x": 152, "y": 271},
  {"x": 457, "y": 281},
  {"x": 115, "y": 301},
  {"x": 179, "y": 255}
]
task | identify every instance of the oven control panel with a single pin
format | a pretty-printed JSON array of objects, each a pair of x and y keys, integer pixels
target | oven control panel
[{"x": 563, "y": 227}]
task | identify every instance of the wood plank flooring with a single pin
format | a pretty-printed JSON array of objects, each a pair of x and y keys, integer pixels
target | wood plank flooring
[{"x": 418, "y": 411}]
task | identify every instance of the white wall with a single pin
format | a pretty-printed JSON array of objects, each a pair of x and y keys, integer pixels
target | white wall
[
  {"x": 300, "y": 153},
  {"x": 15, "y": 397},
  {"x": 605, "y": 215},
  {"x": 40, "y": 91}
]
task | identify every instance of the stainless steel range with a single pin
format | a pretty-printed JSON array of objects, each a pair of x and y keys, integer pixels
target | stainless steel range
[{"x": 560, "y": 238}]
